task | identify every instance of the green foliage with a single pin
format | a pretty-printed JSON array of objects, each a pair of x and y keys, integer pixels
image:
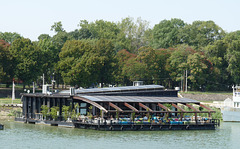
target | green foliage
[
  {"x": 85, "y": 62},
  {"x": 74, "y": 115},
  {"x": 233, "y": 59},
  {"x": 166, "y": 33},
  {"x": 89, "y": 115},
  {"x": 125, "y": 51},
  {"x": 133, "y": 35},
  {"x": 169, "y": 106},
  {"x": 45, "y": 110},
  {"x": 117, "y": 115},
  {"x": 217, "y": 115},
  {"x": 9, "y": 37},
  {"x": 57, "y": 27},
  {"x": 25, "y": 60},
  {"x": 65, "y": 111},
  {"x": 6, "y": 68},
  {"x": 201, "y": 33},
  {"x": 53, "y": 112},
  {"x": 133, "y": 116},
  {"x": 48, "y": 60}
]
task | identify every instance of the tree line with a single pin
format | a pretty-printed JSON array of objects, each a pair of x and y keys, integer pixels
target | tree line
[{"x": 118, "y": 53}]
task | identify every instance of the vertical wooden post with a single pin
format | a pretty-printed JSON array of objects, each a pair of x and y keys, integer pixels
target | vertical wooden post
[
  {"x": 33, "y": 106},
  {"x": 209, "y": 115},
  {"x": 196, "y": 117}
]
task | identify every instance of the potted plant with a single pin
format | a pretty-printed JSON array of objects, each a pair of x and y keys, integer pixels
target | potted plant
[
  {"x": 53, "y": 112},
  {"x": 44, "y": 111}
]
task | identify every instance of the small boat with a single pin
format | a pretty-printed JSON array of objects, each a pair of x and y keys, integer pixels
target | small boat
[
  {"x": 231, "y": 108},
  {"x": 1, "y": 126}
]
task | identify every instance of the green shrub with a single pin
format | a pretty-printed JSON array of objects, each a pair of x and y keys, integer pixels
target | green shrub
[
  {"x": 44, "y": 111},
  {"x": 53, "y": 112}
]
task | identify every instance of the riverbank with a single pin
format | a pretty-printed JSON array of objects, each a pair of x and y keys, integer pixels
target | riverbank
[{"x": 8, "y": 113}]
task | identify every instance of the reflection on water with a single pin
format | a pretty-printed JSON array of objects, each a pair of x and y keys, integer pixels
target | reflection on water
[{"x": 20, "y": 135}]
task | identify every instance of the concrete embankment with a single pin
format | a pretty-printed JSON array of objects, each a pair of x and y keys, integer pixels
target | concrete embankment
[{"x": 206, "y": 97}]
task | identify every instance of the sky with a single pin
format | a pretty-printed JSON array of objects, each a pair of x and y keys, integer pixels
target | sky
[{"x": 31, "y": 18}]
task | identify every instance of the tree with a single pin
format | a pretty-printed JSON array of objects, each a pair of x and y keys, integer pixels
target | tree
[
  {"x": 122, "y": 57},
  {"x": 84, "y": 62},
  {"x": 9, "y": 37},
  {"x": 25, "y": 60},
  {"x": 198, "y": 66},
  {"x": 44, "y": 111},
  {"x": 53, "y": 112},
  {"x": 48, "y": 61},
  {"x": 57, "y": 27},
  {"x": 6, "y": 69},
  {"x": 82, "y": 33},
  {"x": 132, "y": 34},
  {"x": 135, "y": 70},
  {"x": 65, "y": 112},
  {"x": 233, "y": 59},
  {"x": 177, "y": 63},
  {"x": 201, "y": 33},
  {"x": 166, "y": 33},
  {"x": 44, "y": 36},
  {"x": 99, "y": 29},
  {"x": 220, "y": 78}
]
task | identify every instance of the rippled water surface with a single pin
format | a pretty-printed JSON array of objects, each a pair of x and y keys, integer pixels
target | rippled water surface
[{"x": 19, "y": 135}]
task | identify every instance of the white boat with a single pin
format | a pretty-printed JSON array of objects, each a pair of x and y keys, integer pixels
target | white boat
[{"x": 231, "y": 108}]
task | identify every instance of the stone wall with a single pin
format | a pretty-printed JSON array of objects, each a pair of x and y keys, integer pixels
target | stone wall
[{"x": 207, "y": 97}]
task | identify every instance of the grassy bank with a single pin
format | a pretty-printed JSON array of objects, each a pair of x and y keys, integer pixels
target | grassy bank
[{"x": 9, "y": 101}]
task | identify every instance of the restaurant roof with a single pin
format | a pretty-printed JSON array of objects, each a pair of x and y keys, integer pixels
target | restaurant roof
[
  {"x": 117, "y": 89},
  {"x": 139, "y": 99}
]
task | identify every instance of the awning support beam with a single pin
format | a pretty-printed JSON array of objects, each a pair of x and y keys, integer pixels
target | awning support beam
[
  {"x": 164, "y": 107},
  {"x": 92, "y": 103},
  {"x": 130, "y": 107},
  {"x": 115, "y": 107},
  {"x": 176, "y": 106},
  {"x": 145, "y": 107},
  {"x": 191, "y": 107}
]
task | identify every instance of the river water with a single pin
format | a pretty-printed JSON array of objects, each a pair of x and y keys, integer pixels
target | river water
[{"x": 23, "y": 136}]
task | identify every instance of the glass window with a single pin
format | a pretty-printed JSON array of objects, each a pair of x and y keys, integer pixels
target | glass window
[
  {"x": 83, "y": 105},
  {"x": 83, "y": 111}
]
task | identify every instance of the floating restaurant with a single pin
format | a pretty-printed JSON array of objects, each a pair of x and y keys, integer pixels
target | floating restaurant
[{"x": 144, "y": 107}]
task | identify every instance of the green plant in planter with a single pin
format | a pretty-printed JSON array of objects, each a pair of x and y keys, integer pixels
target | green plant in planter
[
  {"x": 149, "y": 118},
  {"x": 53, "y": 112},
  {"x": 89, "y": 115},
  {"x": 133, "y": 116},
  {"x": 117, "y": 115},
  {"x": 101, "y": 114},
  {"x": 74, "y": 114},
  {"x": 65, "y": 112},
  {"x": 44, "y": 111}
]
